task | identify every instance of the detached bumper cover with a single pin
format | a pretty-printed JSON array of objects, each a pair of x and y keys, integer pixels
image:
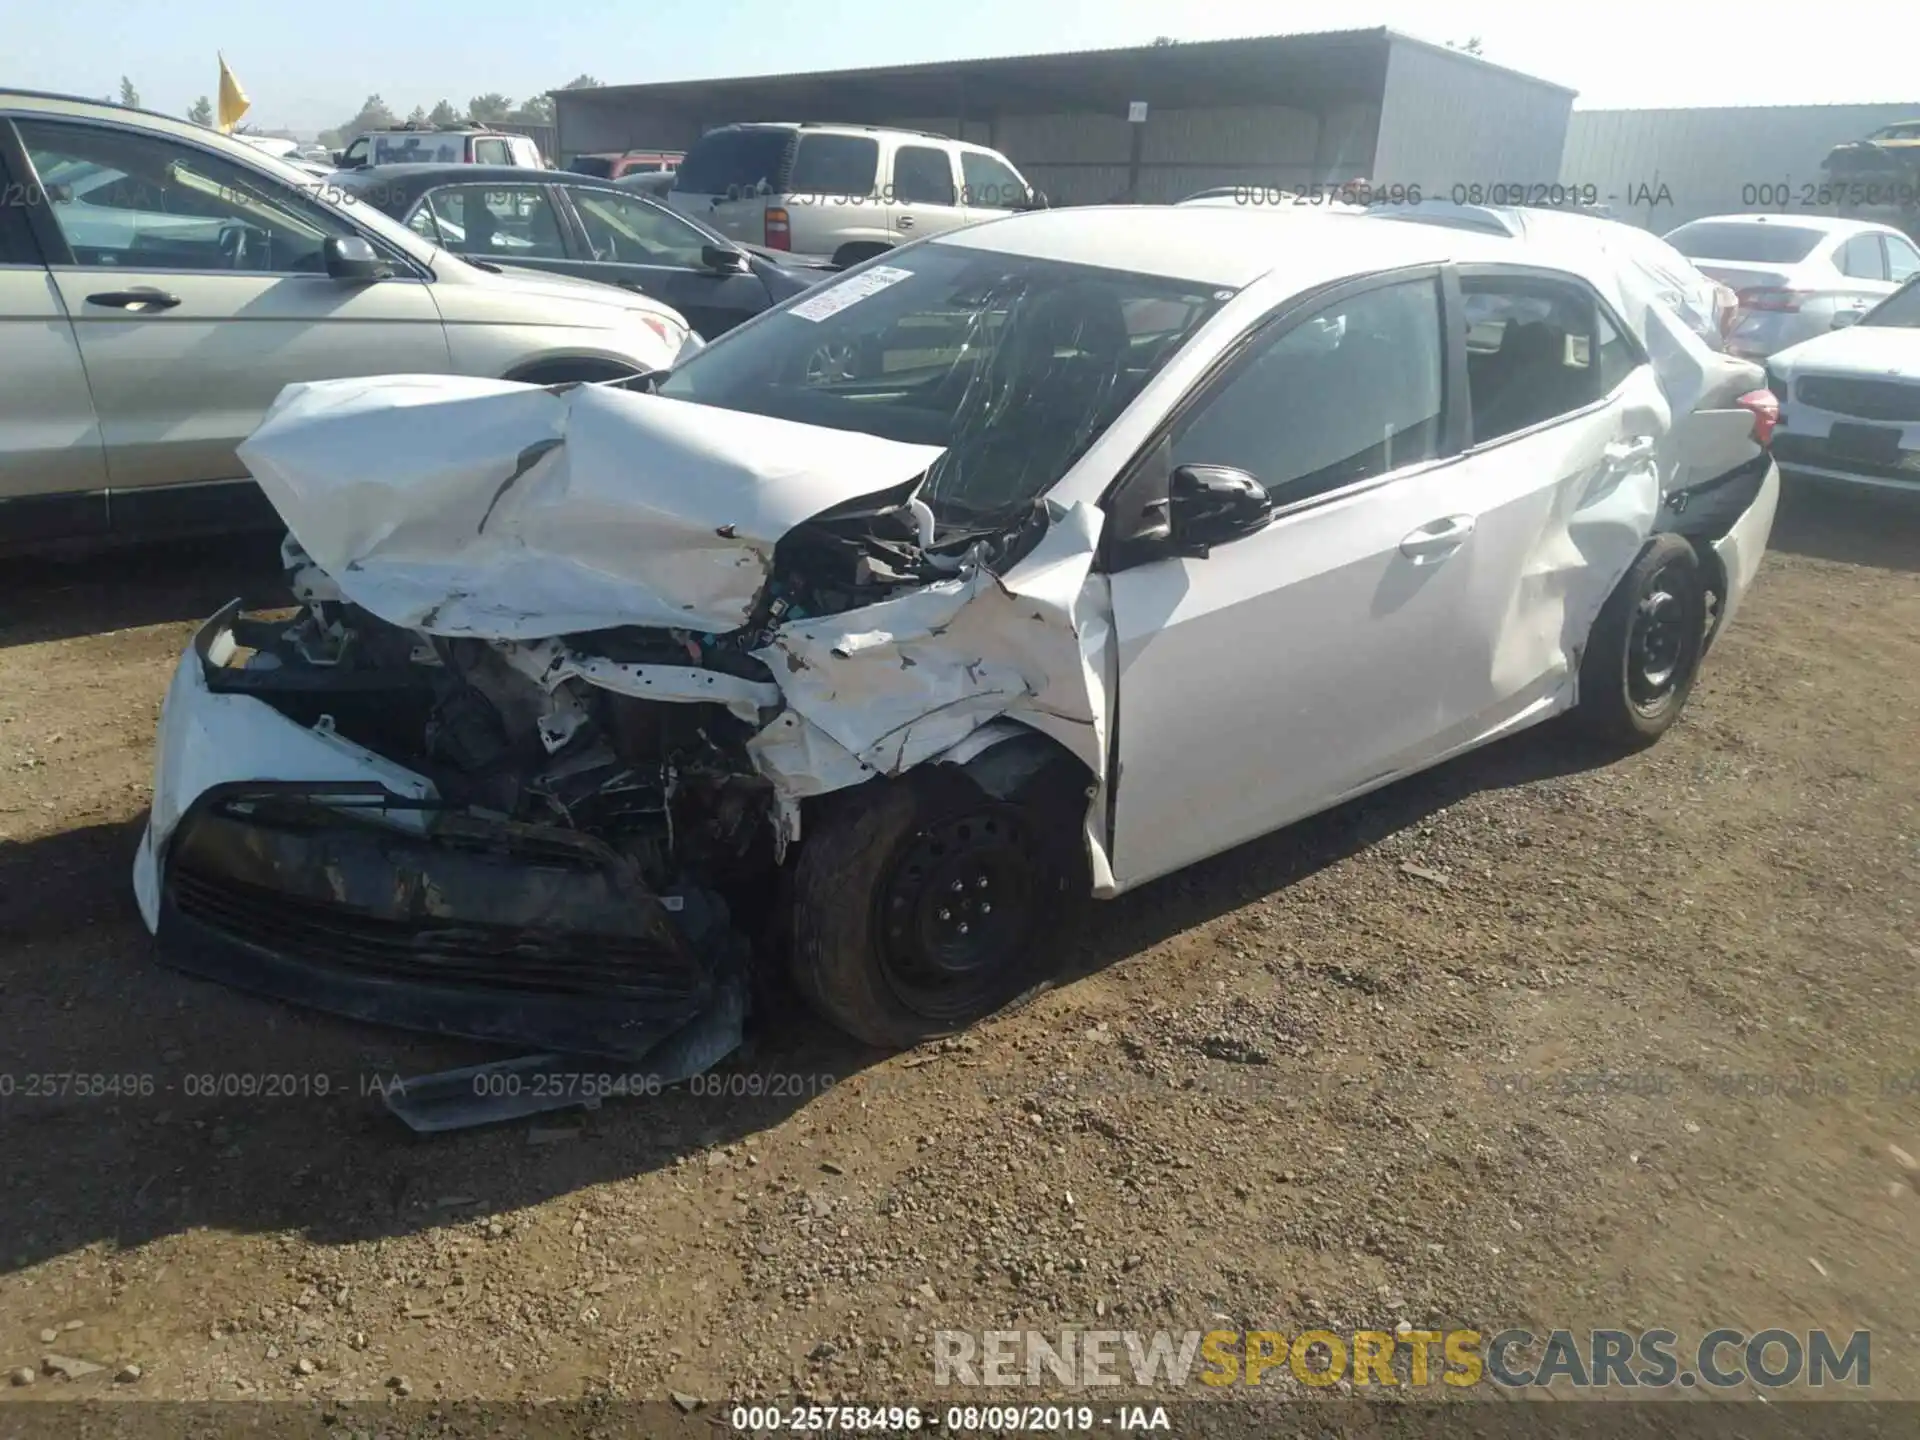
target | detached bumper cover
[{"x": 351, "y": 893}]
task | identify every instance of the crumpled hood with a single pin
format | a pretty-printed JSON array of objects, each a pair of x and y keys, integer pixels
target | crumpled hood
[{"x": 471, "y": 507}]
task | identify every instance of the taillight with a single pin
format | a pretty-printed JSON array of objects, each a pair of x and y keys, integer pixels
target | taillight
[
  {"x": 1766, "y": 413},
  {"x": 779, "y": 235},
  {"x": 1774, "y": 298}
]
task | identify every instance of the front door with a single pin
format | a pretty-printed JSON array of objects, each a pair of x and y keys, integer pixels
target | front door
[
  {"x": 197, "y": 289},
  {"x": 646, "y": 247}
]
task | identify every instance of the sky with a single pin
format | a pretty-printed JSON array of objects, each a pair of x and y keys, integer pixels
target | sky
[{"x": 307, "y": 67}]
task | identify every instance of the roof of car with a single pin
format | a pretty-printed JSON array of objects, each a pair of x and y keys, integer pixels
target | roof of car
[
  {"x": 1826, "y": 224},
  {"x": 407, "y": 181},
  {"x": 1227, "y": 246}
]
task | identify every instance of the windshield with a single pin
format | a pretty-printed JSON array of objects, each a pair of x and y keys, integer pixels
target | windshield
[
  {"x": 1766, "y": 244},
  {"x": 1900, "y": 310},
  {"x": 1015, "y": 365}
]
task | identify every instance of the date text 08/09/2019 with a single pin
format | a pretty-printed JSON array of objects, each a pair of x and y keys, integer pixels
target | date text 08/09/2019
[{"x": 1004, "y": 1419}]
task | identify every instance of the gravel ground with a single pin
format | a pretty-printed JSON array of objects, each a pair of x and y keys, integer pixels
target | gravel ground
[{"x": 1343, "y": 1075}]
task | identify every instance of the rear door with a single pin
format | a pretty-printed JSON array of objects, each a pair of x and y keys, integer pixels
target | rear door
[
  {"x": 53, "y": 470},
  {"x": 924, "y": 197},
  {"x": 728, "y": 175},
  {"x": 626, "y": 240},
  {"x": 197, "y": 289},
  {"x": 834, "y": 196},
  {"x": 1862, "y": 261}
]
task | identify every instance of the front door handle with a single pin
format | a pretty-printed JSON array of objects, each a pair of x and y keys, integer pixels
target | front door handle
[
  {"x": 1630, "y": 452},
  {"x": 905, "y": 222},
  {"x": 1437, "y": 539},
  {"x": 143, "y": 299}
]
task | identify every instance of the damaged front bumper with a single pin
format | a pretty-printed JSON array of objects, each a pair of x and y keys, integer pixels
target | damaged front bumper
[{"x": 286, "y": 860}]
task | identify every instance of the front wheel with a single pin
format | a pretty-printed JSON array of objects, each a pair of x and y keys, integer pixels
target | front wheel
[
  {"x": 922, "y": 904},
  {"x": 1644, "y": 650}
]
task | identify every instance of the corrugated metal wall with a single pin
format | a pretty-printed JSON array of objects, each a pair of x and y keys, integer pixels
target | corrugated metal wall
[
  {"x": 1713, "y": 161},
  {"x": 1448, "y": 120}
]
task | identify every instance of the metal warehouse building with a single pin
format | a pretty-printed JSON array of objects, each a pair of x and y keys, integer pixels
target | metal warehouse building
[
  {"x": 1714, "y": 161},
  {"x": 1283, "y": 111}
]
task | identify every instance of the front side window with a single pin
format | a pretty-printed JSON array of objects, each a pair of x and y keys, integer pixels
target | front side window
[
  {"x": 922, "y": 175},
  {"x": 1347, "y": 394},
  {"x": 1015, "y": 365},
  {"x": 834, "y": 165},
  {"x": 629, "y": 231},
  {"x": 132, "y": 201},
  {"x": 1530, "y": 352},
  {"x": 494, "y": 222},
  {"x": 990, "y": 182}
]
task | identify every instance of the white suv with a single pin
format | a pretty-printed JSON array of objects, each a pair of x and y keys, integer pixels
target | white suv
[{"x": 844, "y": 191}]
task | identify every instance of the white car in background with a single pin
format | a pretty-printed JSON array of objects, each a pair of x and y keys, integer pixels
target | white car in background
[
  {"x": 1850, "y": 401},
  {"x": 1796, "y": 276},
  {"x": 1111, "y": 538}
]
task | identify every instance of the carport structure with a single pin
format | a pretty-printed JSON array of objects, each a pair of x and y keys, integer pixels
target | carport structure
[{"x": 1282, "y": 111}]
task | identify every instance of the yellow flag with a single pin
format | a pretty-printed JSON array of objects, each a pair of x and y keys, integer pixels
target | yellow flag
[{"x": 233, "y": 100}]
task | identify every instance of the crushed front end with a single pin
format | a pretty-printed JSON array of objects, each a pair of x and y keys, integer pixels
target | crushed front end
[{"x": 413, "y": 832}]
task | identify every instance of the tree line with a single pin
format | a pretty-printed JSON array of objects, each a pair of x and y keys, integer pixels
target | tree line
[{"x": 493, "y": 108}]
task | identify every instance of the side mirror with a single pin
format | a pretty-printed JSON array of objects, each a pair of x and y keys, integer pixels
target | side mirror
[
  {"x": 1036, "y": 200},
  {"x": 1843, "y": 318},
  {"x": 1209, "y": 505},
  {"x": 723, "y": 260},
  {"x": 353, "y": 259}
]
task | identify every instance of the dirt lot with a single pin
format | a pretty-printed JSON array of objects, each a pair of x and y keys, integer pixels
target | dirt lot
[{"x": 1345, "y": 1074}]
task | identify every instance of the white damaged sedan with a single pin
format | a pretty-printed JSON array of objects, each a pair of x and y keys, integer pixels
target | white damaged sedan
[{"x": 1049, "y": 555}]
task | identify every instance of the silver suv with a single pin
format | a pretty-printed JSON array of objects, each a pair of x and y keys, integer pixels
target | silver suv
[
  {"x": 160, "y": 283},
  {"x": 847, "y": 192}
]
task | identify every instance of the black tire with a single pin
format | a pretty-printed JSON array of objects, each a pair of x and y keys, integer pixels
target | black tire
[
  {"x": 1644, "y": 650},
  {"x": 847, "y": 256},
  {"x": 878, "y": 948}
]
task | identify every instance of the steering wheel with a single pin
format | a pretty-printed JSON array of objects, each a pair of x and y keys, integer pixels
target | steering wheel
[{"x": 236, "y": 243}]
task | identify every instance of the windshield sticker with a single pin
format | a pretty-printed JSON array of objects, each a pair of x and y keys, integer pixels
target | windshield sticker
[{"x": 835, "y": 298}]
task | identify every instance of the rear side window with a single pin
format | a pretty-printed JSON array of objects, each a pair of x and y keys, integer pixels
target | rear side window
[
  {"x": 736, "y": 162},
  {"x": 834, "y": 165},
  {"x": 922, "y": 175},
  {"x": 1903, "y": 260},
  {"x": 1860, "y": 258},
  {"x": 1764, "y": 244},
  {"x": 1531, "y": 352},
  {"x": 990, "y": 183}
]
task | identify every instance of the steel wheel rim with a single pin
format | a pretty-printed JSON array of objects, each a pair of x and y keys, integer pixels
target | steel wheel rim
[
  {"x": 956, "y": 910},
  {"x": 1657, "y": 643}
]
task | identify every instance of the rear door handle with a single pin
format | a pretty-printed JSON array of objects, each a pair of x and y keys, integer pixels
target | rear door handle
[
  {"x": 906, "y": 222},
  {"x": 1630, "y": 452},
  {"x": 144, "y": 298},
  {"x": 1437, "y": 539}
]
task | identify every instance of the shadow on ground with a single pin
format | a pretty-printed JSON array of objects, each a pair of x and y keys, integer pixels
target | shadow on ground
[
  {"x": 44, "y": 600},
  {"x": 140, "y": 1102}
]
